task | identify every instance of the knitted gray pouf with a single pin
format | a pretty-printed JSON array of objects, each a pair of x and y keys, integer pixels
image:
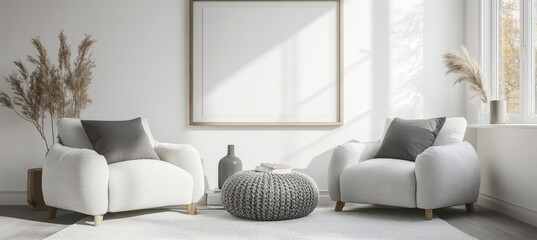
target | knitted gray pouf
[{"x": 269, "y": 196}]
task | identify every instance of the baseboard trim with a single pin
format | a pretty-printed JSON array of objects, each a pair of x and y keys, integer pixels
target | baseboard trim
[
  {"x": 13, "y": 198},
  {"x": 523, "y": 214},
  {"x": 19, "y": 198},
  {"x": 324, "y": 198},
  {"x": 512, "y": 210}
]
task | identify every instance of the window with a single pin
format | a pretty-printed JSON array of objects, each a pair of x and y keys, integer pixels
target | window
[
  {"x": 515, "y": 53},
  {"x": 533, "y": 58},
  {"x": 508, "y": 55}
]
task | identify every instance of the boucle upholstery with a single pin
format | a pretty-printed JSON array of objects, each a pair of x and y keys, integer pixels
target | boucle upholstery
[
  {"x": 75, "y": 179},
  {"x": 444, "y": 175},
  {"x": 141, "y": 184},
  {"x": 395, "y": 177},
  {"x": 79, "y": 179},
  {"x": 447, "y": 175}
]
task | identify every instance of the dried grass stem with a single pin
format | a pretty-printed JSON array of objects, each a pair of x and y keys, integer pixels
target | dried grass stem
[
  {"x": 466, "y": 69},
  {"x": 50, "y": 90}
]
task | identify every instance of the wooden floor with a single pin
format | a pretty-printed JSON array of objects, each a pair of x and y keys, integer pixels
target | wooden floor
[
  {"x": 487, "y": 224},
  {"x": 21, "y": 222}
]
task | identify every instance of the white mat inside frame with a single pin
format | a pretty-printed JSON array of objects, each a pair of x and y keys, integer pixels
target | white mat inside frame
[{"x": 323, "y": 223}]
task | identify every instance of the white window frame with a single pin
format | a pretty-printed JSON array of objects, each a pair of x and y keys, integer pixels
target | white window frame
[
  {"x": 526, "y": 67},
  {"x": 527, "y": 81}
]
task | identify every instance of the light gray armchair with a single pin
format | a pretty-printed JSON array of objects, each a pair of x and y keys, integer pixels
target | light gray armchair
[
  {"x": 445, "y": 174},
  {"x": 77, "y": 178}
]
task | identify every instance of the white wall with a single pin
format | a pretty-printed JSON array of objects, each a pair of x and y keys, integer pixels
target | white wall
[
  {"x": 506, "y": 153},
  {"x": 393, "y": 67},
  {"x": 473, "y": 37},
  {"x": 508, "y": 165}
]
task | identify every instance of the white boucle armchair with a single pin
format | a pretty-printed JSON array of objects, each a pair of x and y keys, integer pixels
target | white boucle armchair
[
  {"x": 446, "y": 174},
  {"x": 77, "y": 178}
]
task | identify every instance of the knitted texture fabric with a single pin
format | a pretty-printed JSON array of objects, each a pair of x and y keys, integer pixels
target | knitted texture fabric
[{"x": 269, "y": 196}]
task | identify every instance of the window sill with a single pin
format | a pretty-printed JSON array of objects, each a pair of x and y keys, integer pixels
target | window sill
[{"x": 507, "y": 125}]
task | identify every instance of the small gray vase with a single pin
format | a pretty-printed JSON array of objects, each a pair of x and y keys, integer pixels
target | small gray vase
[
  {"x": 498, "y": 112},
  {"x": 228, "y": 165}
]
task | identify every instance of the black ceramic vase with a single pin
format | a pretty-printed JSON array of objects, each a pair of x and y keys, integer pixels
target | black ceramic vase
[{"x": 228, "y": 165}]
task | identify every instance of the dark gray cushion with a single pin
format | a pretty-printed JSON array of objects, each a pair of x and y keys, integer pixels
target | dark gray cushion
[
  {"x": 406, "y": 139},
  {"x": 119, "y": 140}
]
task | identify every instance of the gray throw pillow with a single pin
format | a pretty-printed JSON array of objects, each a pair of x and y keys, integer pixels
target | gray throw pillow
[
  {"x": 119, "y": 140},
  {"x": 406, "y": 139}
]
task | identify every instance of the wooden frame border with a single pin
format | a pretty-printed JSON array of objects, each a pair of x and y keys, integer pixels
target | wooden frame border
[{"x": 340, "y": 70}]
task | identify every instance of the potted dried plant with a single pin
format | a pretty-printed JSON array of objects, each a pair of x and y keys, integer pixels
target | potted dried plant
[
  {"x": 467, "y": 70},
  {"x": 49, "y": 90}
]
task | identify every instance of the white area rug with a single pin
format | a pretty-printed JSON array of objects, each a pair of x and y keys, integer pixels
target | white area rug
[{"x": 323, "y": 223}]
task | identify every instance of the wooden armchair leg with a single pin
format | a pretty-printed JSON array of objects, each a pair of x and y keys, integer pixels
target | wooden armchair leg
[
  {"x": 428, "y": 214},
  {"x": 191, "y": 208},
  {"x": 339, "y": 206},
  {"x": 52, "y": 212},
  {"x": 470, "y": 208},
  {"x": 97, "y": 220}
]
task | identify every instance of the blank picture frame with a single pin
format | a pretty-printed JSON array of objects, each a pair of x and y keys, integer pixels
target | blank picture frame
[{"x": 266, "y": 63}]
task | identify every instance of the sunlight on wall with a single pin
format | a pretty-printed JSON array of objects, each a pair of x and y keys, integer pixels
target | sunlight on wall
[
  {"x": 392, "y": 65},
  {"x": 406, "y": 58},
  {"x": 250, "y": 68},
  {"x": 383, "y": 73}
]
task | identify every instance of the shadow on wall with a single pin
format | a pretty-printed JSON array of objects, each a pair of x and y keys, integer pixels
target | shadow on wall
[
  {"x": 317, "y": 169},
  {"x": 396, "y": 58},
  {"x": 270, "y": 64},
  {"x": 270, "y": 39},
  {"x": 380, "y": 57},
  {"x": 406, "y": 43},
  {"x": 314, "y": 142},
  {"x": 399, "y": 44}
]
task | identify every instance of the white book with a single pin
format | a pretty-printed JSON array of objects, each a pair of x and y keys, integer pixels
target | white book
[
  {"x": 275, "y": 166},
  {"x": 269, "y": 170},
  {"x": 213, "y": 198}
]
